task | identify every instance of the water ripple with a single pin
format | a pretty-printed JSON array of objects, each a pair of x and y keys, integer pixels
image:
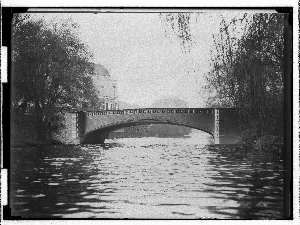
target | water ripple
[{"x": 143, "y": 178}]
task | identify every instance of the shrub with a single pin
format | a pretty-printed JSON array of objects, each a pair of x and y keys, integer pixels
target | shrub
[
  {"x": 249, "y": 136},
  {"x": 269, "y": 145}
]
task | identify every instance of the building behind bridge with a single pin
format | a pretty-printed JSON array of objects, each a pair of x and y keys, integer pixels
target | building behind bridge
[{"x": 106, "y": 88}]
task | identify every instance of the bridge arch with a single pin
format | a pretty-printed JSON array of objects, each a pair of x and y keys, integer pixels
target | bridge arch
[
  {"x": 98, "y": 134},
  {"x": 84, "y": 126}
]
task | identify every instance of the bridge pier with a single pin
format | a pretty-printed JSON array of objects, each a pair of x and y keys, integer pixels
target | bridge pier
[
  {"x": 228, "y": 131},
  {"x": 217, "y": 126}
]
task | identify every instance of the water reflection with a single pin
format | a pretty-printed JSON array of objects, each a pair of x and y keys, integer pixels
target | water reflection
[
  {"x": 256, "y": 186},
  {"x": 143, "y": 178}
]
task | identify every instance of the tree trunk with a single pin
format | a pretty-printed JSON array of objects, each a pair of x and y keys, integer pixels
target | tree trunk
[
  {"x": 40, "y": 125},
  {"x": 41, "y": 136}
]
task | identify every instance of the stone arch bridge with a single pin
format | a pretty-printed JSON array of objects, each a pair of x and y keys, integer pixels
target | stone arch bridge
[{"x": 90, "y": 127}]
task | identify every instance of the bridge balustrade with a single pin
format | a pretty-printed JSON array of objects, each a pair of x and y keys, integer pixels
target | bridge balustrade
[{"x": 148, "y": 111}]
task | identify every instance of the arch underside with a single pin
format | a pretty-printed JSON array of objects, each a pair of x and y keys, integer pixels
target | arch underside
[{"x": 107, "y": 129}]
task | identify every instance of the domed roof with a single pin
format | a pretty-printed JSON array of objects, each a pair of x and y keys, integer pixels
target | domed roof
[{"x": 101, "y": 70}]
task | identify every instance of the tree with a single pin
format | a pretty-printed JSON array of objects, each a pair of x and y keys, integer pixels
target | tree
[
  {"x": 50, "y": 69},
  {"x": 179, "y": 24},
  {"x": 247, "y": 71}
]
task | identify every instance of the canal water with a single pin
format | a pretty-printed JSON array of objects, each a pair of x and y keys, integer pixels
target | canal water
[{"x": 146, "y": 178}]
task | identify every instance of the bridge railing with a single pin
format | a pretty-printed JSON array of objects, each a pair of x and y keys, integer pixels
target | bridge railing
[{"x": 147, "y": 111}]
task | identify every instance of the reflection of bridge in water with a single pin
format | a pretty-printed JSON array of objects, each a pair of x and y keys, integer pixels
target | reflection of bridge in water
[{"x": 91, "y": 127}]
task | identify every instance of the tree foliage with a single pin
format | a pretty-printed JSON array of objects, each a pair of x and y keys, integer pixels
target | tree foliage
[
  {"x": 179, "y": 24},
  {"x": 247, "y": 71},
  {"x": 50, "y": 69}
]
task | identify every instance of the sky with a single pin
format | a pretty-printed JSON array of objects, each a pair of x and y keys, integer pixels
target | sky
[{"x": 147, "y": 64}]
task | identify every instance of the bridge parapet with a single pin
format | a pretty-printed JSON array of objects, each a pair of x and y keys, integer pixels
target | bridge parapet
[{"x": 149, "y": 111}]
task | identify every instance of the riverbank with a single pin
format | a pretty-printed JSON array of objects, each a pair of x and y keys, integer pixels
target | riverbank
[
  {"x": 32, "y": 143},
  {"x": 23, "y": 134}
]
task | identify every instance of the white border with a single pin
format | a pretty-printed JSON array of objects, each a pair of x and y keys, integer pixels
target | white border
[{"x": 150, "y": 3}]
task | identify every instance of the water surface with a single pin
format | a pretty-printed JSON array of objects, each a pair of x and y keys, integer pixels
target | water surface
[{"x": 144, "y": 178}]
